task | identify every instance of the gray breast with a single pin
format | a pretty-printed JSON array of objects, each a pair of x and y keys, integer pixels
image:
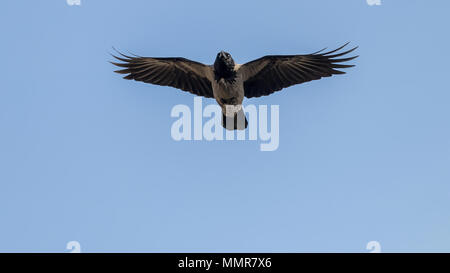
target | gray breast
[{"x": 226, "y": 92}]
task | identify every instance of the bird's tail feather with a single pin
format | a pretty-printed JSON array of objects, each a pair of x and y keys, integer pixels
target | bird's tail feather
[{"x": 238, "y": 121}]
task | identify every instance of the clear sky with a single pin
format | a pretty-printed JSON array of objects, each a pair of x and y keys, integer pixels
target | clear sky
[{"x": 87, "y": 156}]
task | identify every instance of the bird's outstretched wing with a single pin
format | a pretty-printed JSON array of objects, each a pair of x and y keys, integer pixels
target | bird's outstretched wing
[
  {"x": 275, "y": 72},
  {"x": 180, "y": 73}
]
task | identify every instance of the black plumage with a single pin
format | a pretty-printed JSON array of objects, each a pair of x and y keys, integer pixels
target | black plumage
[
  {"x": 229, "y": 82},
  {"x": 273, "y": 73},
  {"x": 178, "y": 72}
]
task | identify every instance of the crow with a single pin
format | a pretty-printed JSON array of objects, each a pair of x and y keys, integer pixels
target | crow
[{"x": 228, "y": 82}]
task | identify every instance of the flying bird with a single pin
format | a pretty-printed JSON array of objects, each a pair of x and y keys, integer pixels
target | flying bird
[{"x": 228, "y": 82}]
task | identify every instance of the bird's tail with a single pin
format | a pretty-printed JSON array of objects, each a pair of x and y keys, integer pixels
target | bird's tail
[{"x": 236, "y": 121}]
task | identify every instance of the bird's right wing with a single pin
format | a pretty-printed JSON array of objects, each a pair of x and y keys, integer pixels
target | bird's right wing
[{"x": 180, "y": 73}]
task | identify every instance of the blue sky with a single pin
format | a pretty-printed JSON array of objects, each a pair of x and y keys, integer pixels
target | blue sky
[{"x": 87, "y": 156}]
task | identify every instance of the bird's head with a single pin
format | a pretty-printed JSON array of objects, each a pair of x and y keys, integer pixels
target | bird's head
[
  {"x": 224, "y": 64},
  {"x": 224, "y": 60}
]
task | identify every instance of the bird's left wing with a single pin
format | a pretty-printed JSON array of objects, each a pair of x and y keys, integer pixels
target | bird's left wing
[
  {"x": 273, "y": 73},
  {"x": 180, "y": 73}
]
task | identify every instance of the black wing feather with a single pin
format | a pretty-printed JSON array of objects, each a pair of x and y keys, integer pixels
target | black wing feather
[
  {"x": 176, "y": 72},
  {"x": 272, "y": 73}
]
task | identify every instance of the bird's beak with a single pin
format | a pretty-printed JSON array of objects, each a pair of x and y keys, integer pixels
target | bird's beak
[{"x": 222, "y": 54}]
